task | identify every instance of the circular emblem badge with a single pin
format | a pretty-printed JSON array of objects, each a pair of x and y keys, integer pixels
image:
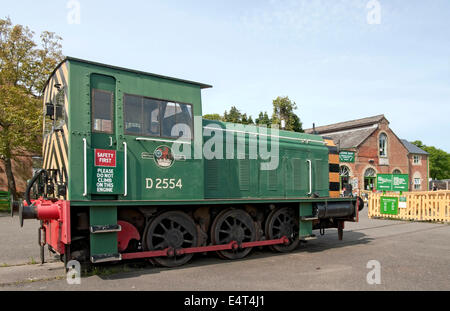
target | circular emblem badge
[{"x": 163, "y": 156}]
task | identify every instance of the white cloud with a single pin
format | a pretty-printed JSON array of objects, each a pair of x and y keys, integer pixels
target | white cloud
[{"x": 308, "y": 17}]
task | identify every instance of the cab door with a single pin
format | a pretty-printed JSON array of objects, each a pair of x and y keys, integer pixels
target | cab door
[
  {"x": 106, "y": 161},
  {"x": 106, "y": 166},
  {"x": 103, "y": 108}
]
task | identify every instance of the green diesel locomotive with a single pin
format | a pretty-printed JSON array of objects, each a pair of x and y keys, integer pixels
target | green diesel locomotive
[{"x": 131, "y": 170}]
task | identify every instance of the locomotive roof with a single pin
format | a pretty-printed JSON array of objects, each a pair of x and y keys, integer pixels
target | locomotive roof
[
  {"x": 282, "y": 134},
  {"x": 68, "y": 58}
]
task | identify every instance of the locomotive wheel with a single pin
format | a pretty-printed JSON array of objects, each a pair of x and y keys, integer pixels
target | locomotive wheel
[
  {"x": 233, "y": 225},
  {"x": 283, "y": 222},
  {"x": 172, "y": 229}
]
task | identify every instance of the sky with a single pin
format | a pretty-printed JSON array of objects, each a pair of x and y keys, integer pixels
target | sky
[{"x": 339, "y": 60}]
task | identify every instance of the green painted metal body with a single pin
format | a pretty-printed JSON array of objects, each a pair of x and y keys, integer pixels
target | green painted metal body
[
  {"x": 189, "y": 180},
  {"x": 139, "y": 169},
  {"x": 242, "y": 175},
  {"x": 105, "y": 242},
  {"x": 200, "y": 179},
  {"x": 305, "y": 226}
]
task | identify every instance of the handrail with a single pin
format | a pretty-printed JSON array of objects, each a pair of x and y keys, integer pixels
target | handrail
[
  {"x": 163, "y": 140},
  {"x": 125, "y": 150},
  {"x": 310, "y": 176},
  {"x": 304, "y": 140},
  {"x": 85, "y": 166}
]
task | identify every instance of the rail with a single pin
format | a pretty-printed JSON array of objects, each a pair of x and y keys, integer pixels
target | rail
[{"x": 420, "y": 206}]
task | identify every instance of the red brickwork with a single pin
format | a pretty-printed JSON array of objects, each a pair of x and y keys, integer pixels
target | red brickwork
[
  {"x": 22, "y": 170},
  {"x": 398, "y": 159},
  {"x": 419, "y": 171}
]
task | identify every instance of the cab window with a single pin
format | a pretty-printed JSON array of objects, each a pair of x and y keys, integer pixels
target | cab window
[
  {"x": 133, "y": 114},
  {"x": 102, "y": 111},
  {"x": 150, "y": 116},
  {"x": 60, "y": 115},
  {"x": 158, "y": 118}
]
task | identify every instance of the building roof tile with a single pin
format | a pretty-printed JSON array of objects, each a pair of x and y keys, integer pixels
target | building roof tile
[
  {"x": 347, "y": 125},
  {"x": 413, "y": 148}
]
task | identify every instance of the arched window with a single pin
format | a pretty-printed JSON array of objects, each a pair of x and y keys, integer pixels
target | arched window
[
  {"x": 370, "y": 172},
  {"x": 396, "y": 172},
  {"x": 345, "y": 171},
  {"x": 383, "y": 145},
  {"x": 344, "y": 176}
]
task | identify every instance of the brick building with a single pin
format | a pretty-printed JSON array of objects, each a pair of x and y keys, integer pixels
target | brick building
[
  {"x": 22, "y": 167},
  {"x": 369, "y": 147}
]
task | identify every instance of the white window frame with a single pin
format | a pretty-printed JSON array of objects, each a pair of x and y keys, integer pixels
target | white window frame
[
  {"x": 385, "y": 147},
  {"x": 419, "y": 159},
  {"x": 417, "y": 183}
]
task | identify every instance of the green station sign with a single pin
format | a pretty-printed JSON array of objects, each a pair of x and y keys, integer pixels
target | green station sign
[
  {"x": 393, "y": 182},
  {"x": 389, "y": 205},
  {"x": 347, "y": 157},
  {"x": 400, "y": 182},
  {"x": 384, "y": 182}
]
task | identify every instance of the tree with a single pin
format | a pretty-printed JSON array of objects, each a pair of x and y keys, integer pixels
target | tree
[
  {"x": 439, "y": 161},
  {"x": 24, "y": 69},
  {"x": 246, "y": 120},
  {"x": 283, "y": 109},
  {"x": 214, "y": 116},
  {"x": 263, "y": 119},
  {"x": 234, "y": 116}
]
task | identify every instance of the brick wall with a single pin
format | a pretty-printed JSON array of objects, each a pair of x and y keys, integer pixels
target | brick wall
[
  {"x": 419, "y": 171},
  {"x": 367, "y": 155},
  {"x": 22, "y": 170}
]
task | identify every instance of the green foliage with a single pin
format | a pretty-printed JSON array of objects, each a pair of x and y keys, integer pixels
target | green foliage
[
  {"x": 214, "y": 116},
  {"x": 20, "y": 121},
  {"x": 250, "y": 120},
  {"x": 247, "y": 120},
  {"x": 283, "y": 109},
  {"x": 24, "y": 69},
  {"x": 234, "y": 116},
  {"x": 439, "y": 161},
  {"x": 263, "y": 119}
]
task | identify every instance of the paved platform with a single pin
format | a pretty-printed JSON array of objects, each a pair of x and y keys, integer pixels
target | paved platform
[{"x": 413, "y": 256}]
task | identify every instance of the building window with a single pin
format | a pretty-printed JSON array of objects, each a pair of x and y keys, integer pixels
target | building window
[
  {"x": 383, "y": 145},
  {"x": 397, "y": 172},
  {"x": 152, "y": 117},
  {"x": 344, "y": 176},
  {"x": 416, "y": 159},
  {"x": 344, "y": 171},
  {"x": 369, "y": 179},
  {"x": 417, "y": 183},
  {"x": 370, "y": 172}
]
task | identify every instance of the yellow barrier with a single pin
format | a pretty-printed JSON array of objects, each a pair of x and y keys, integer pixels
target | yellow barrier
[{"x": 422, "y": 206}]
